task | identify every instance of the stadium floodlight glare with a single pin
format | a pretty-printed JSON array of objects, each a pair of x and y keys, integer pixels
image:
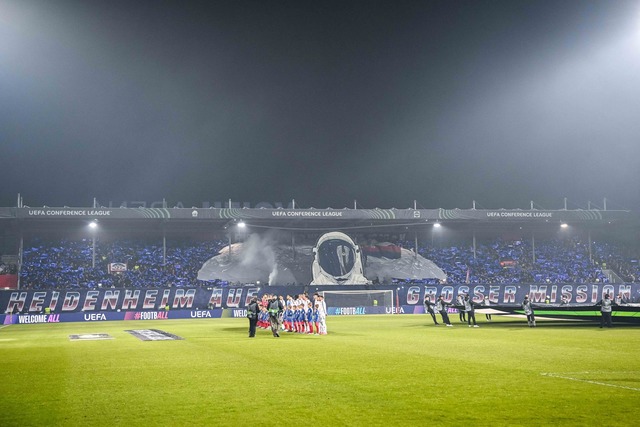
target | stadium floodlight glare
[{"x": 93, "y": 226}]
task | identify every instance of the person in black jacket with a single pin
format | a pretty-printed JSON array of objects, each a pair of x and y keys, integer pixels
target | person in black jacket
[
  {"x": 428, "y": 308},
  {"x": 252, "y": 315}
]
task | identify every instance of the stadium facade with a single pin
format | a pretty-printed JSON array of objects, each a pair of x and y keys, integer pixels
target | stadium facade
[{"x": 412, "y": 225}]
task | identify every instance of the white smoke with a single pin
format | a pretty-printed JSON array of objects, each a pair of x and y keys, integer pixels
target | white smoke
[
  {"x": 257, "y": 252},
  {"x": 273, "y": 274}
]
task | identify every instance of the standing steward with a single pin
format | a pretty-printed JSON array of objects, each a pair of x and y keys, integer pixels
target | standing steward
[
  {"x": 461, "y": 310},
  {"x": 487, "y": 303},
  {"x": 606, "y": 306},
  {"x": 252, "y": 315},
  {"x": 470, "y": 309},
  {"x": 528, "y": 310},
  {"x": 275, "y": 308}
]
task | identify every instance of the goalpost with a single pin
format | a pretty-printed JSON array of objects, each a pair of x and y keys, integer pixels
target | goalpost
[{"x": 361, "y": 298}]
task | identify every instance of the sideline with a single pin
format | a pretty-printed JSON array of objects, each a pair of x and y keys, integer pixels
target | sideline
[{"x": 563, "y": 376}]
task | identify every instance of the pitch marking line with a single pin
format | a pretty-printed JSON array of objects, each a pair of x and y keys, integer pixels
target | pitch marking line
[{"x": 564, "y": 377}]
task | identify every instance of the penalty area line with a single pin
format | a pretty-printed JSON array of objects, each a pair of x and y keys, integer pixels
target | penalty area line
[{"x": 546, "y": 374}]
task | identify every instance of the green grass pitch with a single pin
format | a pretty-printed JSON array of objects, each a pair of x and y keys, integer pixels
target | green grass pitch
[{"x": 369, "y": 370}]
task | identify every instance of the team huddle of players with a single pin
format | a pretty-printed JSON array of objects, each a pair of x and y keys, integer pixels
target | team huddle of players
[{"x": 298, "y": 314}]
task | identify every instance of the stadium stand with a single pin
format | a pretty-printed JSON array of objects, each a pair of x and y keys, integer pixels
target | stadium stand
[
  {"x": 556, "y": 261},
  {"x": 63, "y": 264}
]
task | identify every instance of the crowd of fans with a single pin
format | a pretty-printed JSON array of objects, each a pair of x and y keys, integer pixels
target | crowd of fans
[
  {"x": 555, "y": 261},
  {"x": 621, "y": 259},
  {"x": 64, "y": 264},
  {"x": 68, "y": 263}
]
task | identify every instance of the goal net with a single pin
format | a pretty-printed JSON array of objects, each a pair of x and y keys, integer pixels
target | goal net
[{"x": 373, "y": 301}]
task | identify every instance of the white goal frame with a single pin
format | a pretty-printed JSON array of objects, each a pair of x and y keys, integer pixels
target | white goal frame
[{"x": 364, "y": 292}]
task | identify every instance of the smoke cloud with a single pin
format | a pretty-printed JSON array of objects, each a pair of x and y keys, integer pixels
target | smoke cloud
[{"x": 257, "y": 252}]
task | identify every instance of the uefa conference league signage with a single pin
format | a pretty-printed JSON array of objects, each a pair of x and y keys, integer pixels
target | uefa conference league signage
[{"x": 329, "y": 214}]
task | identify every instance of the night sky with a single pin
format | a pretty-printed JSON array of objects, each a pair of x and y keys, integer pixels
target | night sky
[{"x": 383, "y": 102}]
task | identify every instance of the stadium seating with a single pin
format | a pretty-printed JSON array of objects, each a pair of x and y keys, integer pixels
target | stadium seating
[
  {"x": 556, "y": 261},
  {"x": 63, "y": 264},
  {"x": 67, "y": 263}
]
